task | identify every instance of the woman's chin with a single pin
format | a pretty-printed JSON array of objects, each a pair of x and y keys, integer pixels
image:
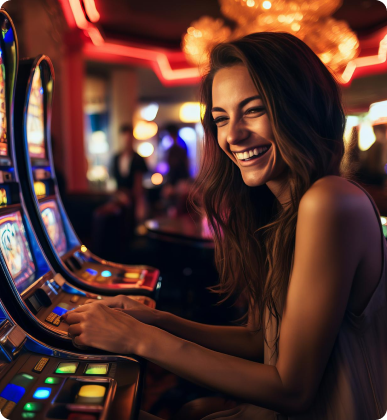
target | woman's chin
[{"x": 253, "y": 179}]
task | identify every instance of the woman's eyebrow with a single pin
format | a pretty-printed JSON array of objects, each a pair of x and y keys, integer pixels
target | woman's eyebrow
[{"x": 241, "y": 104}]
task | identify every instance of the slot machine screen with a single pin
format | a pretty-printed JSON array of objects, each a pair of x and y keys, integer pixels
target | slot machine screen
[
  {"x": 16, "y": 251},
  {"x": 51, "y": 218},
  {"x": 3, "y": 110},
  {"x": 35, "y": 118}
]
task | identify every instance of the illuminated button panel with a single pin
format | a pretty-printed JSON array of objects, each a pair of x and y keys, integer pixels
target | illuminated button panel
[
  {"x": 54, "y": 317},
  {"x": 67, "y": 368},
  {"x": 65, "y": 390},
  {"x": 97, "y": 369}
]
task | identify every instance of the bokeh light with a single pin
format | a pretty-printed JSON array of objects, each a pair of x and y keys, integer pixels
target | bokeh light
[
  {"x": 190, "y": 112},
  {"x": 145, "y": 130},
  {"x": 366, "y": 136},
  {"x": 149, "y": 112},
  {"x": 145, "y": 149},
  {"x": 157, "y": 179},
  {"x": 187, "y": 134}
]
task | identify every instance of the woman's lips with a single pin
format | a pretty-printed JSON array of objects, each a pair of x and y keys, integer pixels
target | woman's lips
[{"x": 255, "y": 159}]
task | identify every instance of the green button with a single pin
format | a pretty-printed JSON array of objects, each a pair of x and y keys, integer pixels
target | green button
[
  {"x": 22, "y": 379},
  {"x": 26, "y": 415},
  {"x": 68, "y": 368},
  {"x": 32, "y": 406},
  {"x": 97, "y": 369},
  {"x": 52, "y": 380}
]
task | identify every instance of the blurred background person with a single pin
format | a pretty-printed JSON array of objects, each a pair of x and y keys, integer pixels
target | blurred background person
[
  {"x": 177, "y": 157},
  {"x": 128, "y": 168}
]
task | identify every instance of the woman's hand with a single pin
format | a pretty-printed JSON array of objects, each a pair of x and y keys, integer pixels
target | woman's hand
[
  {"x": 131, "y": 307},
  {"x": 99, "y": 326}
]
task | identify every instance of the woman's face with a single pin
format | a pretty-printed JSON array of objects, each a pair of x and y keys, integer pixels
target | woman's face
[{"x": 244, "y": 129}]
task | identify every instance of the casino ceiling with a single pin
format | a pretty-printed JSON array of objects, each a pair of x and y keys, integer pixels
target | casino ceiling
[{"x": 164, "y": 22}]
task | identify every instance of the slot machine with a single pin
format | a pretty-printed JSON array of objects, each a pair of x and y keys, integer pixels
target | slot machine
[
  {"x": 36, "y": 295},
  {"x": 34, "y": 93},
  {"x": 38, "y": 380}
]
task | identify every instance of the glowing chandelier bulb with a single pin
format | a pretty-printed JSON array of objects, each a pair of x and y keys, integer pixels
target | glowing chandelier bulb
[{"x": 266, "y": 5}]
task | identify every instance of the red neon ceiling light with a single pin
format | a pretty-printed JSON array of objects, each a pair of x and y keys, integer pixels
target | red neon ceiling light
[
  {"x": 91, "y": 10},
  {"x": 160, "y": 61},
  {"x": 371, "y": 60}
]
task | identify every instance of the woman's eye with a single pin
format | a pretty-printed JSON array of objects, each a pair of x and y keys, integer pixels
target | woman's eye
[
  {"x": 218, "y": 121},
  {"x": 254, "y": 111}
]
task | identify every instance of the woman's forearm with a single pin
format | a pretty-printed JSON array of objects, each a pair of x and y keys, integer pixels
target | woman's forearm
[
  {"x": 236, "y": 341},
  {"x": 242, "y": 379}
]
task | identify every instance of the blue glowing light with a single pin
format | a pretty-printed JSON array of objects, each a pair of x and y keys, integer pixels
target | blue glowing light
[
  {"x": 42, "y": 393},
  {"x": 91, "y": 271},
  {"x": 162, "y": 168},
  {"x": 59, "y": 311},
  {"x": 13, "y": 393},
  {"x": 72, "y": 291},
  {"x": 41, "y": 91},
  {"x": 166, "y": 142},
  {"x": 106, "y": 273},
  {"x": 187, "y": 134}
]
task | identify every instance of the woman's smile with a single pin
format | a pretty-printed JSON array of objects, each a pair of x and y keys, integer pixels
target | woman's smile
[{"x": 252, "y": 155}]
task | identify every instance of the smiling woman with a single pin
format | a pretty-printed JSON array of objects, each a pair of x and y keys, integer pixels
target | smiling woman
[{"x": 292, "y": 235}]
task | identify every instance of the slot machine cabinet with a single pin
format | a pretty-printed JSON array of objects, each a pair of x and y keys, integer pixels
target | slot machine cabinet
[
  {"x": 34, "y": 93},
  {"x": 38, "y": 380},
  {"x": 36, "y": 296}
]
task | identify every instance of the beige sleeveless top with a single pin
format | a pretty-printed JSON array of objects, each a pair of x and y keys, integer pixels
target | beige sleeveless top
[{"x": 354, "y": 385}]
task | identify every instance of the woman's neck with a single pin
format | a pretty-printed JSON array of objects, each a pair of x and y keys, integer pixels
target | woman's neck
[{"x": 281, "y": 189}]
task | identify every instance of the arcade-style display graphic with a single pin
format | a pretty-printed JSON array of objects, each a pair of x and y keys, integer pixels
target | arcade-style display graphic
[
  {"x": 15, "y": 249},
  {"x": 3, "y": 111},
  {"x": 35, "y": 118},
  {"x": 53, "y": 223}
]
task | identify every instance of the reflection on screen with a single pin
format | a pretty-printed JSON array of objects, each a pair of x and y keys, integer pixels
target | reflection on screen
[
  {"x": 3, "y": 111},
  {"x": 35, "y": 118},
  {"x": 15, "y": 249},
  {"x": 54, "y": 226}
]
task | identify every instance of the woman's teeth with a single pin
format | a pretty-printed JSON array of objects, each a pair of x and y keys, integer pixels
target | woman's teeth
[{"x": 251, "y": 153}]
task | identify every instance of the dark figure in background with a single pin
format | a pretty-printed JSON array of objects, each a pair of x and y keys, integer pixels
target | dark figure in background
[
  {"x": 128, "y": 169},
  {"x": 178, "y": 184},
  {"x": 177, "y": 158}
]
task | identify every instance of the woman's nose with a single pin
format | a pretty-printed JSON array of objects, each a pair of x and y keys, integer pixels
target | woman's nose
[{"x": 236, "y": 132}]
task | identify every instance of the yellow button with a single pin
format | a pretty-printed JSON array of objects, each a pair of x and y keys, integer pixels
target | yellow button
[
  {"x": 7, "y": 410},
  {"x": 132, "y": 275},
  {"x": 93, "y": 391},
  {"x": 3, "y": 401},
  {"x": 74, "y": 299}
]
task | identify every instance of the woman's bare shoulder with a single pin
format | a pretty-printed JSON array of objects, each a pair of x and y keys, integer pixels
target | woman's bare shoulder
[{"x": 334, "y": 193}]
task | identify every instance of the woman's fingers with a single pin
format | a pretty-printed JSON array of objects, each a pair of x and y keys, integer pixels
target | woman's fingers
[{"x": 75, "y": 330}]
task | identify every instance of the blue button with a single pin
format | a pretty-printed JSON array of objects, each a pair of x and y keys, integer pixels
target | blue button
[
  {"x": 13, "y": 393},
  {"x": 106, "y": 273},
  {"x": 42, "y": 393},
  {"x": 59, "y": 311},
  {"x": 91, "y": 271}
]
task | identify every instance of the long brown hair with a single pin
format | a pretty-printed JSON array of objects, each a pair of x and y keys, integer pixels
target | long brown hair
[{"x": 254, "y": 235}]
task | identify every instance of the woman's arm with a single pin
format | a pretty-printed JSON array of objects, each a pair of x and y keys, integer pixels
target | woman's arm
[
  {"x": 245, "y": 341},
  {"x": 328, "y": 250},
  {"x": 241, "y": 341}
]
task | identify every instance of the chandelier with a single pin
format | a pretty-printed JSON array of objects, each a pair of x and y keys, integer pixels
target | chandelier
[{"x": 309, "y": 20}]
